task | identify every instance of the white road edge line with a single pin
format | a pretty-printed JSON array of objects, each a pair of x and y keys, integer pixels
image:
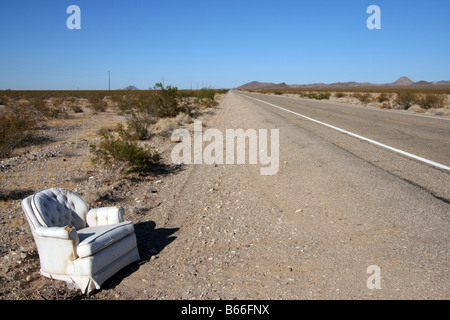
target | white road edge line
[{"x": 433, "y": 163}]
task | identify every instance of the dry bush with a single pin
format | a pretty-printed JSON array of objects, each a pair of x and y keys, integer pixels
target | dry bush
[
  {"x": 98, "y": 104},
  {"x": 183, "y": 118},
  {"x": 127, "y": 156},
  {"x": 72, "y": 104},
  {"x": 386, "y": 105},
  {"x": 44, "y": 109},
  {"x": 382, "y": 97},
  {"x": 137, "y": 126},
  {"x": 340, "y": 94},
  {"x": 406, "y": 99},
  {"x": 142, "y": 110},
  {"x": 16, "y": 125},
  {"x": 430, "y": 100},
  {"x": 166, "y": 101},
  {"x": 208, "y": 103},
  {"x": 139, "y": 112},
  {"x": 166, "y": 125},
  {"x": 363, "y": 97},
  {"x": 206, "y": 93}
]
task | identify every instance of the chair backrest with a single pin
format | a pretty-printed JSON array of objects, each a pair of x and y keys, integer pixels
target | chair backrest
[{"x": 57, "y": 207}]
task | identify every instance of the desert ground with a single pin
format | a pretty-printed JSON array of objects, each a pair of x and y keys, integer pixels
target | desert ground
[{"x": 225, "y": 231}]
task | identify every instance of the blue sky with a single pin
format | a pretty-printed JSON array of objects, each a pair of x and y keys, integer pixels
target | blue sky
[{"x": 221, "y": 44}]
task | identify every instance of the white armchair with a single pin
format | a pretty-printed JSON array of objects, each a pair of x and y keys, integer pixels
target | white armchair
[{"x": 81, "y": 246}]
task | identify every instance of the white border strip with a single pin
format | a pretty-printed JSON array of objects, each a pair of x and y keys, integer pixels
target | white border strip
[{"x": 436, "y": 164}]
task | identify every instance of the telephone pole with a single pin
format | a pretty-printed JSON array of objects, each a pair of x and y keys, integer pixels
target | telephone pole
[{"x": 109, "y": 81}]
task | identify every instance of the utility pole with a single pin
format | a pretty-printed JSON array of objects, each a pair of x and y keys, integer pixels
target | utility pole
[{"x": 109, "y": 81}]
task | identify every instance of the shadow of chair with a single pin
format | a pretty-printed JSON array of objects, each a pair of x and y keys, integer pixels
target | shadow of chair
[{"x": 150, "y": 241}]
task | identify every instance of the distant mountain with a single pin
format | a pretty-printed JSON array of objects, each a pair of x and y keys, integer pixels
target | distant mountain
[
  {"x": 421, "y": 83},
  {"x": 441, "y": 83},
  {"x": 256, "y": 85},
  {"x": 130, "y": 88},
  {"x": 400, "y": 82}
]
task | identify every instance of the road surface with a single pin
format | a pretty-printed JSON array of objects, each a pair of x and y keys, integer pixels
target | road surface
[
  {"x": 339, "y": 215},
  {"x": 418, "y": 145}
]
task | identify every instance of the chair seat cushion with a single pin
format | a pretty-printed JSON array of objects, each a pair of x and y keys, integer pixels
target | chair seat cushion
[{"x": 94, "y": 239}]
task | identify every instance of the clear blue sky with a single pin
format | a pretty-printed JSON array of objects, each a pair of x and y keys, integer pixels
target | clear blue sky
[{"x": 220, "y": 43}]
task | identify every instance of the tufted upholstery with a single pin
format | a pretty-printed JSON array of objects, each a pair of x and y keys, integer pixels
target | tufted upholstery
[
  {"x": 81, "y": 246},
  {"x": 60, "y": 207}
]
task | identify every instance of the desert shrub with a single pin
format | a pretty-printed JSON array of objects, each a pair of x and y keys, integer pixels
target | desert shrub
[
  {"x": 363, "y": 98},
  {"x": 206, "y": 93},
  {"x": 166, "y": 125},
  {"x": 166, "y": 101},
  {"x": 128, "y": 156},
  {"x": 340, "y": 94},
  {"x": 382, "y": 97},
  {"x": 137, "y": 126},
  {"x": 208, "y": 103},
  {"x": 416, "y": 108},
  {"x": 386, "y": 105},
  {"x": 71, "y": 103},
  {"x": 143, "y": 110},
  {"x": 140, "y": 112},
  {"x": 430, "y": 100},
  {"x": 323, "y": 95},
  {"x": 15, "y": 127},
  {"x": 183, "y": 118},
  {"x": 76, "y": 108},
  {"x": 318, "y": 95},
  {"x": 124, "y": 103},
  {"x": 311, "y": 95},
  {"x": 44, "y": 109},
  {"x": 406, "y": 99},
  {"x": 98, "y": 104}
]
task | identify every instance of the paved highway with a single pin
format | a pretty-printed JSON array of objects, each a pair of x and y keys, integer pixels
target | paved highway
[{"x": 414, "y": 147}]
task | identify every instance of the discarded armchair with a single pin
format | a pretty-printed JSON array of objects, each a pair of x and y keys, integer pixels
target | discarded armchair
[{"x": 81, "y": 246}]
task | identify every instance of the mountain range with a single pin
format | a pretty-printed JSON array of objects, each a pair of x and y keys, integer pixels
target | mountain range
[{"x": 400, "y": 82}]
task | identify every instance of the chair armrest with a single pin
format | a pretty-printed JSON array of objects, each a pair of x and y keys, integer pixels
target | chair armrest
[
  {"x": 57, "y": 248},
  {"x": 104, "y": 216},
  {"x": 62, "y": 233}
]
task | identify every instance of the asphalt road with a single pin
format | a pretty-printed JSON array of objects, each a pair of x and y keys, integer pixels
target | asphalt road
[
  {"x": 414, "y": 147},
  {"x": 352, "y": 204}
]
